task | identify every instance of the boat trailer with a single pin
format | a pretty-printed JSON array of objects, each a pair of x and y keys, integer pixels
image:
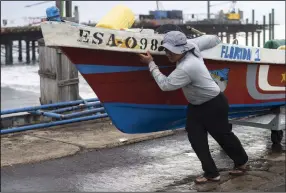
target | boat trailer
[{"x": 275, "y": 125}]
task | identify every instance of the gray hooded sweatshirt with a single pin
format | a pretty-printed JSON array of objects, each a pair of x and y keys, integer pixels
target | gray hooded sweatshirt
[{"x": 191, "y": 73}]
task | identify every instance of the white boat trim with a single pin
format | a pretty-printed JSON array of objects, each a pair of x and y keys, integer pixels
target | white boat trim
[
  {"x": 68, "y": 35},
  {"x": 263, "y": 80}
]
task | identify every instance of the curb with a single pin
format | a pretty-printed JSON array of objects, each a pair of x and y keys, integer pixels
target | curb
[{"x": 135, "y": 140}]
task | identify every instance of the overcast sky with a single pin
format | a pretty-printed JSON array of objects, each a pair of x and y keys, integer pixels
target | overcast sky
[{"x": 16, "y": 11}]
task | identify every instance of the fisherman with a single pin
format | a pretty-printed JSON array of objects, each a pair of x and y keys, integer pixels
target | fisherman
[{"x": 207, "y": 111}]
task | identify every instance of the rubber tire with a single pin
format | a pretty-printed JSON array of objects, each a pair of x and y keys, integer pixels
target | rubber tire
[{"x": 276, "y": 136}]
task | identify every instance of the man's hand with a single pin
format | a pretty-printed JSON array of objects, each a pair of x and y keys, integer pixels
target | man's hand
[{"x": 146, "y": 58}]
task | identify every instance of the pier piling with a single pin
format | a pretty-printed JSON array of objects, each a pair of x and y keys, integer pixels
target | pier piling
[
  {"x": 252, "y": 33},
  {"x": 234, "y": 36},
  {"x": 221, "y": 36},
  {"x": 68, "y": 8},
  {"x": 227, "y": 38},
  {"x": 258, "y": 39},
  {"x": 20, "y": 58},
  {"x": 27, "y": 51},
  {"x": 33, "y": 51},
  {"x": 273, "y": 23},
  {"x": 246, "y": 34},
  {"x": 264, "y": 26},
  {"x": 9, "y": 52},
  {"x": 270, "y": 27},
  {"x": 246, "y": 38}
]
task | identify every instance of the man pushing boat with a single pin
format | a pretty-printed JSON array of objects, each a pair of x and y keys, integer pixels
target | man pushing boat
[{"x": 207, "y": 111}]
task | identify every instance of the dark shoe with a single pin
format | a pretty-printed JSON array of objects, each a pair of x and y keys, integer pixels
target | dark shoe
[
  {"x": 203, "y": 180},
  {"x": 238, "y": 171}
]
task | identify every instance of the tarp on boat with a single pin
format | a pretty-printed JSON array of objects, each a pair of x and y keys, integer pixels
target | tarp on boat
[
  {"x": 274, "y": 44},
  {"x": 119, "y": 17}
]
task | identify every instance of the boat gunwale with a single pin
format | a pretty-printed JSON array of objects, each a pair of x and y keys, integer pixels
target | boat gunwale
[{"x": 205, "y": 53}]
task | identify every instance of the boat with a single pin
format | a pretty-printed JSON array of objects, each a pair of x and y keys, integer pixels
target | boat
[{"x": 252, "y": 78}]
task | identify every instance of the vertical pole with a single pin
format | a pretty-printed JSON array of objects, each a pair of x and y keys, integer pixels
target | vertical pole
[
  {"x": 221, "y": 36},
  {"x": 227, "y": 38},
  {"x": 258, "y": 39},
  {"x": 68, "y": 8},
  {"x": 246, "y": 34},
  {"x": 252, "y": 33},
  {"x": 59, "y": 5},
  {"x": 20, "y": 58},
  {"x": 234, "y": 36},
  {"x": 264, "y": 25},
  {"x": 76, "y": 14},
  {"x": 63, "y": 8},
  {"x": 208, "y": 11},
  {"x": 157, "y": 4},
  {"x": 270, "y": 27},
  {"x": 273, "y": 23},
  {"x": 27, "y": 51},
  {"x": 9, "y": 52},
  {"x": 33, "y": 51}
]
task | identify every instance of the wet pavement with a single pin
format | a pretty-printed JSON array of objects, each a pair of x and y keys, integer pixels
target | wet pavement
[{"x": 155, "y": 165}]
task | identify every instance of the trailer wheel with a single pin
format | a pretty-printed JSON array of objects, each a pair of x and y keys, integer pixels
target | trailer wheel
[{"x": 276, "y": 136}]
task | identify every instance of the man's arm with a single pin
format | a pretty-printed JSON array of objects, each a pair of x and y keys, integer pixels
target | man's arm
[
  {"x": 205, "y": 42},
  {"x": 176, "y": 80}
]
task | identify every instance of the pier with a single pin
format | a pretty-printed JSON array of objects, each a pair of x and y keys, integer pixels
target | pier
[
  {"x": 227, "y": 30},
  {"x": 12, "y": 39}
]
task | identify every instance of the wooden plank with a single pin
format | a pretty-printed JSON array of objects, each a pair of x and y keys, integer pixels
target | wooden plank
[
  {"x": 68, "y": 72},
  {"x": 58, "y": 76},
  {"x": 48, "y": 85}
]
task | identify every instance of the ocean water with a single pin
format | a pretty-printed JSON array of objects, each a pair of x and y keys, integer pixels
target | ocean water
[
  {"x": 20, "y": 83},
  {"x": 20, "y": 86}
]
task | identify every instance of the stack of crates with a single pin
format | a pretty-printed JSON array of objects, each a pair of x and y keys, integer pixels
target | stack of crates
[
  {"x": 175, "y": 14},
  {"x": 160, "y": 15}
]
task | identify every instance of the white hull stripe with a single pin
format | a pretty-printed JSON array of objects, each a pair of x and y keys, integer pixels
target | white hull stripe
[{"x": 263, "y": 80}]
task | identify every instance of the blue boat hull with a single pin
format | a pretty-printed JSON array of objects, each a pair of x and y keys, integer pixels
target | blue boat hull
[{"x": 135, "y": 118}]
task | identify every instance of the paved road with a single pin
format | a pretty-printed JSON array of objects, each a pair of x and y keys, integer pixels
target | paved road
[{"x": 145, "y": 166}]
